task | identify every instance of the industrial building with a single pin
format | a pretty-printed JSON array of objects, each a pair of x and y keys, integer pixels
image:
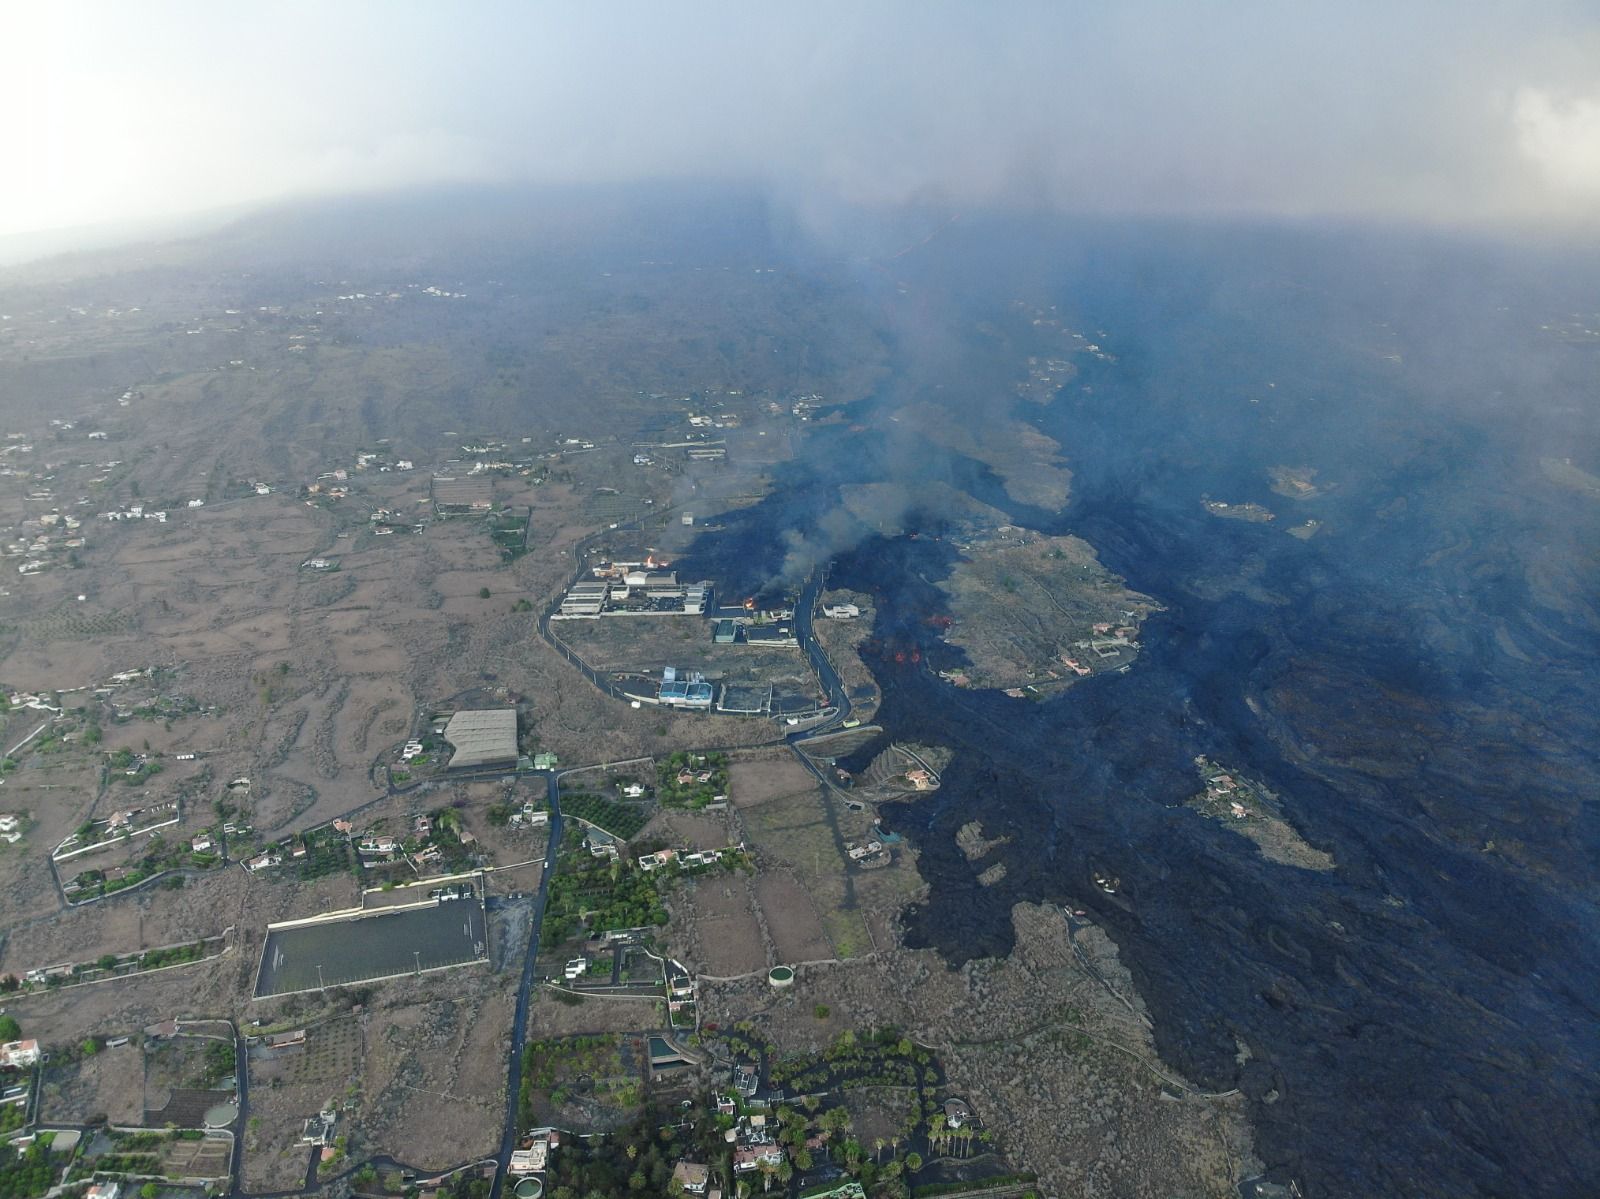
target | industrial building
[
  {"x": 769, "y": 636},
  {"x": 586, "y": 598},
  {"x": 692, "y": 691},
  {"x": 631, "y": 589},
  {"x": 482, "y": 737}
]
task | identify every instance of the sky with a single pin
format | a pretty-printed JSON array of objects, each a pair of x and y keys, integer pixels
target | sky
[{"x": 1467, "y": 112}]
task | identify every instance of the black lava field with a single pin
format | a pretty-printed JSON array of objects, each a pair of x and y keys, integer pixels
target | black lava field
[{"x": 1420, "y": 681}]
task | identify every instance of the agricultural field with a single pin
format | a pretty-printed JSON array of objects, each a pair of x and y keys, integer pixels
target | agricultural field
[
  {"x": 799, "y": 832},
  {"x": 79, "y": 1086},
  {"x": 592, "y": 895},
  {"x": 183, "y": 1077},
  {"x": 688, "y": 779},
  {"x": 621, "y": 820},
  {"x": 585, "y": 1083},
  {"x": 287, "y": 1086}
]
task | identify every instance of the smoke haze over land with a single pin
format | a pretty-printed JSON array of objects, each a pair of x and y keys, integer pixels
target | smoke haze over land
[{"x": 1457, "y": 112}]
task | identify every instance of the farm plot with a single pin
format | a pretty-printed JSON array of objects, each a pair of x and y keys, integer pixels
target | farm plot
[
  {"x": 795, "y": 832},
  {"x": 796, "y": 928},
  {"x": 80, "y": 1088}
]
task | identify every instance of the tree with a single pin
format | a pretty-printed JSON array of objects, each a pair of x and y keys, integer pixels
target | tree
[
  {"x": 483, "y": 593},
  {"x": 108, "y": 961},
  {"x": 913, "y": 1161},
  {"x": 10, "y": 1030},
  {"x": 91, "y": 1046},
  {"x": 149, "y": 1191}
]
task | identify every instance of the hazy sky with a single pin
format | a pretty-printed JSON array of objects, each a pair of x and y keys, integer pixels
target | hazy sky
[{"x": 1461, "y": 111}]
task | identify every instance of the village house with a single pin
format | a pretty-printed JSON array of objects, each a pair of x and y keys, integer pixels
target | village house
[
  {"x": 692, "y": 1177},
  {"x": 532, "y": 1159},
  {"x": 18, "y": 1054},
  {"x": 956, "y": 1113},
  {"x": 657, "y": 860},
  {"x": 600, "y": 843},
  {"x": 753, "y": 1157}
]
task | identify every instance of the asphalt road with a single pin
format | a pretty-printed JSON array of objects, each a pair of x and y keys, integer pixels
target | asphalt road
[{"x": 519, "y": 1024}]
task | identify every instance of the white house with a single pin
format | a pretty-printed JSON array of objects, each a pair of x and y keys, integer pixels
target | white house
[{"x": 19, "y": 1053}]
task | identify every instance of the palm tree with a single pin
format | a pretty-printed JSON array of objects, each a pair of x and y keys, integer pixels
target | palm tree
[{"x": 877, "y": 1148}]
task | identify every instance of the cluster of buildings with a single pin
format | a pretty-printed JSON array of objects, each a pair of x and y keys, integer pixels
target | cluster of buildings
[
  {"x": 10, "y": 828},
  {"x": 373, "y": 849},
  {"x": 477, "y": 737},
  {"x": 128, "y": 822},
  {"x": 869, "y": 854},
  {"x": 689, "y": 859},
  {"x": 634, "y": 589},
  {"x": 40, "y": 538},
  {"x": 331, "y": 486},
  {"x": 754, "y": 1147},
  {"x": 529, "y": 815},
  {"x": 134, "y": 512},
  {"x": 691, "y": 692}
]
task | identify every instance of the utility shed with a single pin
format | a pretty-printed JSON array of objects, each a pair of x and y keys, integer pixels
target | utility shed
[{"x": 482, "y": 737}]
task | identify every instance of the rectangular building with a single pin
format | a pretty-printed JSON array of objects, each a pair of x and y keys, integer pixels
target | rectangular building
[
  {"x": 482, "y": 737},
  {"x": 586, "y": 598}
]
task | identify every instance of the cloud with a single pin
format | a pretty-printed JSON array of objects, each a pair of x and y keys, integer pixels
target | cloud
[
  {"x": 1155, "y": 106},
  {"x": 1561, "y": 134}
]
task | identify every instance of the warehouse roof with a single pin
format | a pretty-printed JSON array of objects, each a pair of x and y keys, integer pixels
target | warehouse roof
[{"x": 482, "y": 736}]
